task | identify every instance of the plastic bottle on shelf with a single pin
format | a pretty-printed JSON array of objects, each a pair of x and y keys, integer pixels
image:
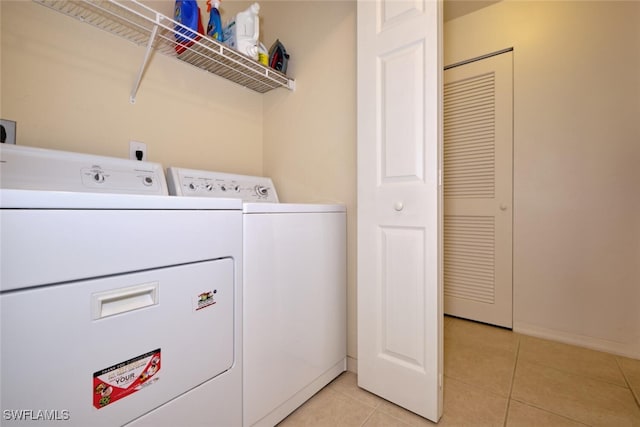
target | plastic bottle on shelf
[
  {"x": 263, "y": 54},
  {"x": 187, "y": 14},
  {"x": 214, "y": 28},
  {"x": 242, "y": 31}
]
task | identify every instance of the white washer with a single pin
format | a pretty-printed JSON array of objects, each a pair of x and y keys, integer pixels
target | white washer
[
  {"x": 115, "y": 309},
  {"x": 294, "y": 292}
]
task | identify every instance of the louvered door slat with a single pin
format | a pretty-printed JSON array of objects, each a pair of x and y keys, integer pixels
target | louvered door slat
[{"x": 469, "y": 115}]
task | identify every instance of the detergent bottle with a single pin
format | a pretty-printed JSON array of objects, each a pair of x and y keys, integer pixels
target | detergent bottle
[
  {"x": 242, "y": 31},
  {"x": 214, "y": 28},
  {"x": 187, "y": 14}
]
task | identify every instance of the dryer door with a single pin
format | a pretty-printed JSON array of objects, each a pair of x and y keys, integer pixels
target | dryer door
[{"x": 106, "y": 351}]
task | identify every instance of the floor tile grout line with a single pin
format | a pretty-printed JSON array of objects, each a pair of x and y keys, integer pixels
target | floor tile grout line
[
  {"x": 548, "y": 411},
  {"x": 575, "y": 375},
  {"x": 366, "y": 420},
  {"x": 545, "y": 409},
  {"x": 579, "y": 375},
  {"x": 513, "y": 379},
  {"x": 626, "y": 380},
  {"x": 586, "y": 375},
  {"x": 478, "y": 387},
  {"x": 357, "y": 401},
  {"x": 354, "y": 398}
]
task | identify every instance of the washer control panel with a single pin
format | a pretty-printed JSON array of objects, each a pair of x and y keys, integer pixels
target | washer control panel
[{"x": 189, "y": 182}]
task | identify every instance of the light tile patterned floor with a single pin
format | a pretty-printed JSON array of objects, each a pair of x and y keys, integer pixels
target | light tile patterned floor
[{"x": 494, "y": 377}]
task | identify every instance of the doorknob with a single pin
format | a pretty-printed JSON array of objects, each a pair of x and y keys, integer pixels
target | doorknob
[
  {"x": 398, "y": 206},
  {"x": 503, "y": 206}
]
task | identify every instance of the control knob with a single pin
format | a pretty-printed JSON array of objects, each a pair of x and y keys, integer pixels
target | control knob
[
  {"x": 98, "y": 177},
  {"x": 147, "y": 180},
  {"x": 262, "y": 191}
]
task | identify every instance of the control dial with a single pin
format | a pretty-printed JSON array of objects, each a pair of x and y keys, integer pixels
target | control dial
[
  {"x": 98, "y": 177},
  {"x": 261, "y": 190}
]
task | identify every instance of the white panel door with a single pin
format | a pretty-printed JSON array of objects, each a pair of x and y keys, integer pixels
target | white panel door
[
  {"x": 478, "y": 190},
  {"x": 399, "y": 290}
]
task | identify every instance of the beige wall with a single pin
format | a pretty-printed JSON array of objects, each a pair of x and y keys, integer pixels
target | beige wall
[
  {"x": 576, "y": 163},
  {"x": 67, "y": 85}
]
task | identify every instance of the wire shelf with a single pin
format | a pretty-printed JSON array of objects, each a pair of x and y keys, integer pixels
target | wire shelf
[{"x": 144, "y": 26}]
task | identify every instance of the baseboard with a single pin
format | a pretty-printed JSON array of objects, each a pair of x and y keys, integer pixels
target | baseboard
[{"x": 622, "y": 349}]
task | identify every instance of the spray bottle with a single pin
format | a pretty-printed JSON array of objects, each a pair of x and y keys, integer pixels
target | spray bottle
[
  {"x": 187, "y": 14},
  {"x": 214, "y": 28}
]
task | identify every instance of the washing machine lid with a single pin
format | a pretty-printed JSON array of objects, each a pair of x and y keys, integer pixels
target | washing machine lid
[{"x": 266, "y": 208}]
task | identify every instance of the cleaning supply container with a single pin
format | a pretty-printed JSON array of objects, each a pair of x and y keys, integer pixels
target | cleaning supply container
[
  {"x": 242, "y": 31},
  {"x": 214, "y": 28}
]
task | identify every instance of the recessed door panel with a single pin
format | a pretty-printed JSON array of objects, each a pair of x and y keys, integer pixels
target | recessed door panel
[
  {"x": 402, "y": 113},
  {"x": 402, "y": 295},
  {"x": 391, "y": 12}
]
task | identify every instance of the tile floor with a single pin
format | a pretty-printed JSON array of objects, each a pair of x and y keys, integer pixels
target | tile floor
[{"x": 494, "y": 377}]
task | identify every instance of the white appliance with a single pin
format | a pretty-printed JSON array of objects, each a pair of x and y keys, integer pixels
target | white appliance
[
  {"x": 119, "y": 305},
  {"x": 294, "y": 291}
]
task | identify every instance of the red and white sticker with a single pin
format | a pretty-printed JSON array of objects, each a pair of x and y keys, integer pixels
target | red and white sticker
[{"x": 119, "y": 381}]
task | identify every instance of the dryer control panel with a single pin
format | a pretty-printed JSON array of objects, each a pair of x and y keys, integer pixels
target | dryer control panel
[
  {"x": 251, "y": 189},
  {"x": 31, "y": 168}
]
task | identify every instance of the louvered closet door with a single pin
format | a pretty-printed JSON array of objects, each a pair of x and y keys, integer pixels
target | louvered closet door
[{"x": 478, "y": 190}]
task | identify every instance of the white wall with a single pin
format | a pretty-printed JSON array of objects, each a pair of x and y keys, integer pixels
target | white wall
[{"x": 576, "y": 163}]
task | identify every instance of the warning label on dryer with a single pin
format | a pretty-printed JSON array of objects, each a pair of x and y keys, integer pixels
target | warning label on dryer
[{"x": 123, "y": 379}]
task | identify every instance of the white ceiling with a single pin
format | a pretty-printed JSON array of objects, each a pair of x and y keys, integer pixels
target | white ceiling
[{"x": 456, "y": 8}]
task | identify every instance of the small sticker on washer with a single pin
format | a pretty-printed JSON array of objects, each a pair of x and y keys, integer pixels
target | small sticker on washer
[
  {"x": 123, "y": 379},
  {"x": 204, "y": 300}
]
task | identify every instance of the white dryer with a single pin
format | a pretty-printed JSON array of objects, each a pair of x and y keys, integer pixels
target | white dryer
[
  {"x": 119, "y": 305},
  {"x": 294, "y": 276}
]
